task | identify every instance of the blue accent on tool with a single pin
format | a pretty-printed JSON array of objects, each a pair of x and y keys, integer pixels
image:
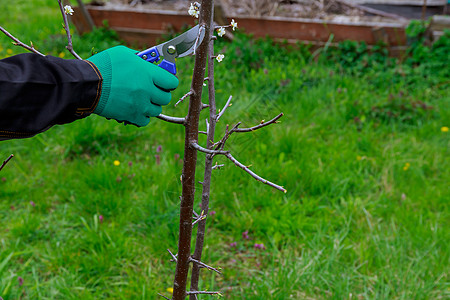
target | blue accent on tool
[
  {"x": 169, "y": 66},
  {"x": 152, "y": 54}
]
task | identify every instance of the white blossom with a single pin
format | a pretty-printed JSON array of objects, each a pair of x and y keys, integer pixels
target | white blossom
[
  {"x": 233, "y": 24},
  {"x": 220, "y": 57},
  {"x": 221, "y": 31},
  {"x": 193, "y": 11},
  {"x": 68, "y": 10}
]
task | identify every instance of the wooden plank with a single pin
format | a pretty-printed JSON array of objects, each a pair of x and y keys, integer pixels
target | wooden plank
[
  {"x": 134, "y": 25},
  {"x": 158, "y": 20}
]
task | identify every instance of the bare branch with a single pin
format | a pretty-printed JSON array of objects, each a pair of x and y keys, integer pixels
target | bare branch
[
  {"x": 163, "y": 296},
  {"x": 198, "y": 36},
  {"x": 224, "y": 26},
  {"x": 204, "y": 106},
  {"x": 224, "y": 108},
  {"x": 170, "y": 119},
  {"x": 174, "y": 257},
  {"x": 19, "y": 43},
  {"x": 199, "y": 218},
  {"x": 191, "y": 92},
  {"x": 205, "y": 265},
  {"x": 69, "y": 36},
  {"x": 216, "y": 166},
  {"x": 257, "y": 177},
  {"x": 263, "y": 124},
  {"x": 201, "y": 227},
  {"x": 6, "y": 161},
  {"x": 202, "y": 292},
  {"x": 207, "y": 127},
  {"x": 221, "y": 144},
  {"x": 208, "y": 151}
]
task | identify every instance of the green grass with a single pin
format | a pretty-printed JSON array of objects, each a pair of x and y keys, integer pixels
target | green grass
[{"x": 356, "y": 222}]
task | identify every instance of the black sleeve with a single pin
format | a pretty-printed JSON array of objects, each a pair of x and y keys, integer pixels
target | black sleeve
[{"x": 38, "y": 92}]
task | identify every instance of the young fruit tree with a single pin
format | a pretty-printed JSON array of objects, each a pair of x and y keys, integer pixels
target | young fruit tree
[{"x": 204, "y": 57}]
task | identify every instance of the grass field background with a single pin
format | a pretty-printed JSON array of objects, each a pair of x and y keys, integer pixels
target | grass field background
[{"x": 363, "y": 152}]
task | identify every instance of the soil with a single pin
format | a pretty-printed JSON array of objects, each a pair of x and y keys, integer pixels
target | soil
[{"x": 312, "y": 9}]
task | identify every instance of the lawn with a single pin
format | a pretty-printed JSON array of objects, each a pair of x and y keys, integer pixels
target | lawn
[{"x": 362, "y": 150}]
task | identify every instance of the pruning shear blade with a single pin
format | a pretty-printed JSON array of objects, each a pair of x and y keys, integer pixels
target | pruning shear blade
[{"x": 181, "y": 46}]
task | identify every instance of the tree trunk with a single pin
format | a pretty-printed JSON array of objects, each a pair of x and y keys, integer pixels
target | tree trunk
[{"x": 190, "y": 156}]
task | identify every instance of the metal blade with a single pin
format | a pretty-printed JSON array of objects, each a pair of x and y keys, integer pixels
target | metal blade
[{"x": 182, "y": 45}]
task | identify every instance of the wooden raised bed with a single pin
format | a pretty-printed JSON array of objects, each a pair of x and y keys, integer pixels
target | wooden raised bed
[{"x": 145, "y": 27}]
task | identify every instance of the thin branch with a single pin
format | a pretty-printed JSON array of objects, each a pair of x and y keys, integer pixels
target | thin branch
[
  {"x": 217, "y": 166},
  {"x": 6, "y": 161},
  {"x": 203, "y": 132},
  {"x": 274, "y": 120},
  {"x": 19, "y": 43},
  {"x": 201, "y": 227},
  {"x": 224, "y": 26},
  {"x": 221, "y": 144},
  {"x": 174, "y": 257},
  {"x": 198, "y": 37},
  {"x": 205, "y": 265},
  {"x": 69, "y": 36},
  {"x": 201, "y": 217},
  {"x": 202, "y": 292},
  {"x": 224, "y": 108},
  {"x": 208, "y": 151},
  {"x": 191, "y": 92},
  {"x": 204, "y": 106},
  {"x": 174, "y": 120},
  {"x": 163, "y": 296},
  {"x": 257, "y": 177}
]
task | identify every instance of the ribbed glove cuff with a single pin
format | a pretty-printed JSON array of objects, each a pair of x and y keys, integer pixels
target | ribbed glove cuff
[{"x": 103, "y": 62}]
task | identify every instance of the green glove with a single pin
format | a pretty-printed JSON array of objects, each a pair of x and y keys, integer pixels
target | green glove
[{"x": 133, "y": 90}]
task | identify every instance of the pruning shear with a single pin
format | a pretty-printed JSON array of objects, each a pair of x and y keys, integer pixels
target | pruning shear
[{"x": 183, "y": 45}]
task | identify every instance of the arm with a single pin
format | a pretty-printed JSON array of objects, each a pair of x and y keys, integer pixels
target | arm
[{"x": 38, "y": 92}]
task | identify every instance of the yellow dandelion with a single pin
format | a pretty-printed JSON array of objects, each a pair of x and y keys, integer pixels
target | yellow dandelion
[
  {"x": 406, "y": 166},
  {"x": 1, "y": 48},
  {"x": 444, "y": 129},
  {"x": 61, "y": 55},
  {"x": 116, "y": 162},
  {"x": 358, "y": 157},
  {"x": 9, "y": 51},
  {"x": 170, "y": 290}
]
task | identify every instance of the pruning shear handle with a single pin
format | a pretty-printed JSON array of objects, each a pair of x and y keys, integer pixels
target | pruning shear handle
[{"x": 152, "y": 55}]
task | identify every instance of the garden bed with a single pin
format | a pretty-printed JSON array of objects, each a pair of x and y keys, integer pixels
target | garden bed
[{"x": 144, "y": 23}]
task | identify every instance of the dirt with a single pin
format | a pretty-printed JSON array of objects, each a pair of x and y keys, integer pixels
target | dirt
[{"x": 311, "y": 9}]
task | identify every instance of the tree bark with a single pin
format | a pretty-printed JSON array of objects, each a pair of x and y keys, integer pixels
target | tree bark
[{"x": 190, "y": 156}]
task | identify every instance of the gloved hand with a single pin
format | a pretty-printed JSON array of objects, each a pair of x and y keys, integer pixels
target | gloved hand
[{"x": 133, "y": 90}]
